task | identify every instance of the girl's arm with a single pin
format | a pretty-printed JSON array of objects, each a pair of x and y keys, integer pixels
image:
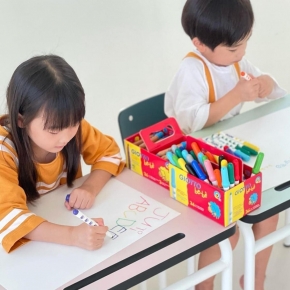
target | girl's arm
[
  {"x": 84, "y": 196},
  {"x": 82, "y": 236}
]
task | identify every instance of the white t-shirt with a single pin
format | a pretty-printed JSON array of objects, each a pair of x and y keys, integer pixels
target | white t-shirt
[{"x": 187, "y": 98}]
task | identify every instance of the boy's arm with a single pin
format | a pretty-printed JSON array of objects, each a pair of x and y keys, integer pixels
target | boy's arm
[{"x": 244, "y": 91}]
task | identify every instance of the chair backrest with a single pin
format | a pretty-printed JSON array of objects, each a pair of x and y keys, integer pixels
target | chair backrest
[{"x": 141, "y": 115}]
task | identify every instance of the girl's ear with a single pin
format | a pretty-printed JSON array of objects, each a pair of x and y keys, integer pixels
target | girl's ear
[
  {"x": 198, "y": 44},
  {"x": 20, "y": 121}
]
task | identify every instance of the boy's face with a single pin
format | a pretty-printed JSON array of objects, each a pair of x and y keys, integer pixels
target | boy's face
[{"x": 223, "y": 55}]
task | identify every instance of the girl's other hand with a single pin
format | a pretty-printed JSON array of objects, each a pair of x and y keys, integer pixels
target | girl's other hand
[
  {"x": 81, "y": 197},
  {"x": 89, "y": 237}
]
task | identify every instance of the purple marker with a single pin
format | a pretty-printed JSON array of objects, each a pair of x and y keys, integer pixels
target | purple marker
[
  {"x": 84, "y": 218},
  {"x": 87, "y": 220}
]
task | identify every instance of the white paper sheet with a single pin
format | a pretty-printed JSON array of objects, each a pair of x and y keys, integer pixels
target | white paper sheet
[
  {"x": 128, "y": 213},
  {"x": 271, "y": 134}
]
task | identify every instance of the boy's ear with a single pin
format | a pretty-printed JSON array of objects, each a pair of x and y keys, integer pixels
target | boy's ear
[
  {"x": 198, "y": 44},
  {"x": 20, "y": 121}
]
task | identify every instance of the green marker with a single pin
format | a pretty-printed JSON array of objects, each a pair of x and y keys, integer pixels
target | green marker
[
  {"x": 193, "y": 155},
  {"x": 231, "y": 174},
  {"x": 258, "y": 163}
]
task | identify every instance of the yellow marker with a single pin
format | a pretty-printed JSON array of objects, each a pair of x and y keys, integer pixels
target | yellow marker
[
  {"x": 254, "y": 147},
  {"x": 224, "y": 163},
  {"x": 182, "y": 163}
]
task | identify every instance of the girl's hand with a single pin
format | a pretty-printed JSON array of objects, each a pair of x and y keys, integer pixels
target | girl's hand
[
  {"x": 89, "y": 237},
  {"x": 266, "y": 85},
  {"x": 81, "y": 197},
  {"x": 247, "y": 90}
]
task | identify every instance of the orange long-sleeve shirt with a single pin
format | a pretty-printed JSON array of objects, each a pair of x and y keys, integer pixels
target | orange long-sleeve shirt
[{"x": 16, "y": 221}]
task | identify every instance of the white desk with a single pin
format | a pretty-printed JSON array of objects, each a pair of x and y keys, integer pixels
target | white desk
[
  {"x": 177, "y": 240},
  {"x": 274, "y": 200}
]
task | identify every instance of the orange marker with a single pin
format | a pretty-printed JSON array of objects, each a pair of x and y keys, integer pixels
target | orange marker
[
  {"x": 210, "y": 156},
  {"x": 195, "y": 148},
  {"x": 218, "y": 177},
  {"x": 245, "y": 76}
]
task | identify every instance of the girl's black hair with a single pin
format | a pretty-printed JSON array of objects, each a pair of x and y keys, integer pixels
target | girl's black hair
[
  {"x": 216, "y": 22},
  {"x": 45, "y": 84}
]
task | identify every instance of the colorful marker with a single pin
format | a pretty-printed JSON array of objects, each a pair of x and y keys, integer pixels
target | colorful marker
[
  {"x": 193, "y": 154},
  {"x": 182, "y": 146},
  {"x": 200, "y": 174},
  {"x": 246, "y": 76},
  {"x": 225, "y": 178},
  {"x": 210, "y": 156},
  {"x": 220, "y": 158},
  {"x": 210, "y": 173},
  {"x": 87, "y": 220},
  {"x": 218, "y": 177},
  {"x": 169, "y": 156},
  {"x": 155, "y": 138},
  {"x": 182, "y": 164},
  {"x": 236, "y": 171},
  {"x": 195, "y": 148},
  {"x": 231, "y": 174},
  {"x": 258, "y": 163},
  {"x": 190, "y": 170}
]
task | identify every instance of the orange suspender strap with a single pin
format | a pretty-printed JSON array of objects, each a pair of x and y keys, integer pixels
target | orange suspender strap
[
  {"x": 208, "y": 75},
  {"x": 211, "y": 97}
]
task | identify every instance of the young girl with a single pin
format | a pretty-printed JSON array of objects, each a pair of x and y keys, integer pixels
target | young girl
[{"x": 42, "y": 139}]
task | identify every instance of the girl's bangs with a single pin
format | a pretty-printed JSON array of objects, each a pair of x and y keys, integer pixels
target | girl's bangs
[{"x": 63, "y": 110}]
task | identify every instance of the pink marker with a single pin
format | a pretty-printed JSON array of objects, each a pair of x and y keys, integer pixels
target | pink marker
[
  {"x": 236, "y": 171},
  {"x": 210, "y": 173},
  {"x": 245, "y": 76}
]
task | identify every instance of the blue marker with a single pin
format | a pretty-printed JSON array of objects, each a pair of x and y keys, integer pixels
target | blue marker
[
  {"x": 173, "y": 184},
  {"x": 198, "y": 171},
  {"x": 225, "y": 178}
]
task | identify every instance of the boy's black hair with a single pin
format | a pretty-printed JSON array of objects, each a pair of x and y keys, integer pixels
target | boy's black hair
[{"x": 216, "y": 22}]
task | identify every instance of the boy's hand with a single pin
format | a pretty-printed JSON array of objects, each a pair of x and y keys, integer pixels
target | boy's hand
[
  {"x": 247, "y": 90},
  {"x": 81, "y": 197},
  {"x": 89, "y": 237},
  {"x": 266, "y": 85}
]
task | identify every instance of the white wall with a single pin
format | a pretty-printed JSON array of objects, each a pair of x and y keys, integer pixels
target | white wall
[{"x": 123, "y": 50}]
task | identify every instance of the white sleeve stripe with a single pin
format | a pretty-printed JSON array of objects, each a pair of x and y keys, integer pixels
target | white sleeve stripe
[
  {"x": 15, "y": 225},
  {"x": 9, "y": 217},
  {"x": 52, "y": 185},
  {"x": 8, "y": 141},
  {"x": 5, "y": 149},
  {"x": 110, "y": 159}
]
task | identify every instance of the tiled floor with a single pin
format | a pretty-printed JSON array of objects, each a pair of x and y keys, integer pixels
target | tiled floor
[{"x": 125, "y": 51}]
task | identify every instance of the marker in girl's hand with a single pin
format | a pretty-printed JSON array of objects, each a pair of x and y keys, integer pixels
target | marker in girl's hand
[
  {"x": 246, "y": 76},
  {"x": 84, "y": 218}
]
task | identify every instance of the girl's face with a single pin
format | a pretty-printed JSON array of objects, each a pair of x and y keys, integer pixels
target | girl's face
[{"x": 45, "y": 141}]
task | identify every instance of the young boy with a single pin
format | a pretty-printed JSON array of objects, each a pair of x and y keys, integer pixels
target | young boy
[
  {"x": 220, "y": 31},
  {"x": 208, "y": 88}
]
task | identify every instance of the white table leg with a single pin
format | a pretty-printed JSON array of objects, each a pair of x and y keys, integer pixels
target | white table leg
[
  {"x": 227, "y": 258},
  {"x": 142, "y": 285},
  {"x": 191, "y": 268},
  {"x": 249, "y": 242},
  {"x": 162, "y": 280},
  {"x": 287, "y": 221},
  {"x": 223, "y": 265}
]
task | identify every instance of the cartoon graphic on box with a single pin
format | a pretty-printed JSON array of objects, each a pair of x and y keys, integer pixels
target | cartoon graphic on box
[
  {"x": 253, "y": 198},
  {"x": 217, "y": 195},
  {"x": 214, "y": 209}
]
